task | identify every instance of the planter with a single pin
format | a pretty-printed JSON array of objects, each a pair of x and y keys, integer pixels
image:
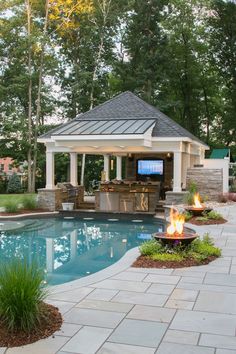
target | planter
[{"x": 67, "y": 206}]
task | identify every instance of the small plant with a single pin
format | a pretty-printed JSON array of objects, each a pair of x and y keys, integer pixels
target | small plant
[
  {"x": 29, "y": 202},
  {"x": 149, "y": 248},
  {"x": 187, "y": 215},
  {"x": 214, "y": 215},
  {"x": 14, "y": 184},
  {"x": 205, "y": 249},
  {"x": 11, "y": 206},
  {"x": 167, "y": 257},
  {"x": 202, "y": 218},
  {"x": 21, "y": 295}
]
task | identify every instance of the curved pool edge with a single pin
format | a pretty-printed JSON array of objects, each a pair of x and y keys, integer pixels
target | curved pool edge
[
  {"x": 29, "y": 215},
  {"x": 123, "y": 263}
]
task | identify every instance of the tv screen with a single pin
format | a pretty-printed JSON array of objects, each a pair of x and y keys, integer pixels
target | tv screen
[{"x": 150, "y": 167}]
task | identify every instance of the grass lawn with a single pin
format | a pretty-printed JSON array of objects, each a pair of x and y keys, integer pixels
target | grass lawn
[{"x": 15, "y": 197}]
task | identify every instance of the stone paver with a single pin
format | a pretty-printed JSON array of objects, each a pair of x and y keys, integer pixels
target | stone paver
[
  {"x": 87, "y": 341},
  {"x": 150, "y": 311},
  {"x": 96, "y": 318},
  {"x": 116, "y": 348},
  {"x": 182, "y": 337},
  {"x": 225, "y": 342},
  {"x": 170, "y": 348},
  {"x": 216, "y": 302},
  {"x": 136, "y": 332}
]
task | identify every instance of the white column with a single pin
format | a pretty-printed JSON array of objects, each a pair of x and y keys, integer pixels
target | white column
[
  {"x": 119, "y": 167},
  {"x": 49, "y": 255},
  {"x": 73, "y": 244},
  {"x": 50, "y": 169},
  {"x": 73, "y": 169},
  {"x": 82, "y": 170},
  {"x": 177, "y": 171},
  {"x": 107, "y": 166}
]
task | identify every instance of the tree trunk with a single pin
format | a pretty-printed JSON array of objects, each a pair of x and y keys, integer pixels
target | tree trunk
[
  {"x": 39, "y": 94},
  {"x": 29, "y": 153}
]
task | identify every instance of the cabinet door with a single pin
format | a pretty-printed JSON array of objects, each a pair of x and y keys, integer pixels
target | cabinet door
[{"x": 141, "y": 201}]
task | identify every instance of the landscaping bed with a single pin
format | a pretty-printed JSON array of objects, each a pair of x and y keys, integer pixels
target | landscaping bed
[
  {"x": 147, "y": 262},
  {"x": 24, "y": 211},
  {"x": 50, "y": 322},
  {"x": 202, "y": 221},
  {"x": 155, "y": 254}
]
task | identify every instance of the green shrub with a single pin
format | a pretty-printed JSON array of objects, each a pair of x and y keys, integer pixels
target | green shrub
[
  {"x": 202, "y": 218},
  {"x": 14, "y": 184},
  {"x": 149, "y": 248},
  {"x": 187, "y": 215},
  {"x": 11, "y": 206},
  {"x": 21, "y": 295},
  {"x": 214, "y": 215},
  {"x": 204, "y": 248},
  {"x": 167, "y": 257},
  {"x": 29, "y": 202}
]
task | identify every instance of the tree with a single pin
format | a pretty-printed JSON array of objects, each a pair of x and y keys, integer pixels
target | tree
[{"x": 14, "y": 184}]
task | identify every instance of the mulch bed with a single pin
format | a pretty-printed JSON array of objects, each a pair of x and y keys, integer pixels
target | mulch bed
[
  {"x": 194, "y": 221},
  {"x": 146, "y": 262},
  {"x": 24, "y": 211},
  {"x": 50, "y": 323}
]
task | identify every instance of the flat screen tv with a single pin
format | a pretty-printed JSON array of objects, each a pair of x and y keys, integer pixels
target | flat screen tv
[{"x": 150, "y": 167}]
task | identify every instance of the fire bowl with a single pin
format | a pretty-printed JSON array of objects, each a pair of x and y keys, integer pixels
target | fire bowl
[
  {"x": 198, "y": 211},
  {"x": 185, "y": 239}
]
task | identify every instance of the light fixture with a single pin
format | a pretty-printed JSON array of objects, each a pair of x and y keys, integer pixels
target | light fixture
[{"x": 112, "y": 164}]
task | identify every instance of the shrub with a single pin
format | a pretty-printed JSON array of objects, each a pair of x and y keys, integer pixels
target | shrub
[
  {"x": 202, "y": 218},
  {"x": 21, "y": 295},
  {"x": 29, "y": 202},
  {"x": 167, "y": 257},
  {"x": 214, "y": 215},
  {"x": 187, "y": 215},
  {"x": 11, "y": 206},
  {"x": 204, "y": 248},
  {"x": 14, "y": 184},
  {"x": 149, "y": 248}
]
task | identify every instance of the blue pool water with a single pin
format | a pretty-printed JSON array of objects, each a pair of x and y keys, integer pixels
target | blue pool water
[{"x": 68, "y": 249}]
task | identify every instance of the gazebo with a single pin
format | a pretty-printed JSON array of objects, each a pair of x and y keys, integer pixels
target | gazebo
[{"x": 128, "y": 128}]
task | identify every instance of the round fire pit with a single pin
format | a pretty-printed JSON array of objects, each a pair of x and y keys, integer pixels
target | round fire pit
[
  {"x": 198, "y": 211},
  {"x": 186, "y": 238}
]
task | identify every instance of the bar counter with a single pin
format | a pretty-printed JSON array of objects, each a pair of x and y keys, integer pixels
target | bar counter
[{"x": 127, "y": 196}]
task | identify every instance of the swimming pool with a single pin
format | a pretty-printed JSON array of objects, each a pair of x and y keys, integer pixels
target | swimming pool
[{"x": 71, "y": 248}]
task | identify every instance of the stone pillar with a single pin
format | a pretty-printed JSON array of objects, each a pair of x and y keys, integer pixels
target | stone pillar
[
  {"x": 73, "y": 169},
  {"x": 50, "y": 170},
  {"x": 119, "y": 167},
  {"x": 177, "y": 171},
  {"x": 107, "y": 166}
]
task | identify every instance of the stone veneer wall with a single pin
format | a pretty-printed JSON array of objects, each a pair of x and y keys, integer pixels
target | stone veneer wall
[
  {"x": 209, "y": 181},
  {"x": 51, "y": 199}
]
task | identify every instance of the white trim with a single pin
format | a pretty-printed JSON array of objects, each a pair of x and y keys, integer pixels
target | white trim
[{"x": 99, "y": 137}]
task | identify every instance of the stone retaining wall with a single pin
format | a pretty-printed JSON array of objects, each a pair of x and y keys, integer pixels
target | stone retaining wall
[
  {"x": 51, "y": 199},
  {"x": 209, "y": 181}
]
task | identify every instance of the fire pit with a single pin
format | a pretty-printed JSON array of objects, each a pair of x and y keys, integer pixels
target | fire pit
[
  {"x": 197, "y": 209},
  {"x": 175, "y": 232}
]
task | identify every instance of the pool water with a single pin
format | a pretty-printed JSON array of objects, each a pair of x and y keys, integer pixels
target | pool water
[{"x": 71, "y": 248}]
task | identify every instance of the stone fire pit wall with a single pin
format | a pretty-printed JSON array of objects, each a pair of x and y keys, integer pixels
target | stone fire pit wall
[{"x": 209, "y": 181}]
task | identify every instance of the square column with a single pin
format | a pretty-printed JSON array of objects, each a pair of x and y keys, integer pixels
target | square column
[
  {"x": 119, "y": 167},
  {"x": 107, "y": 167},
  {"x": 73, "y": 169},
  {"x": 50, "y": 170},
  {"x": 177, "y": 171}
]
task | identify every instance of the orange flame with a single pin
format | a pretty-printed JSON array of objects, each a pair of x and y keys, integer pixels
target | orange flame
[
  {"x": 176, "y": 223},
  {"x": 197, "y": 203}
]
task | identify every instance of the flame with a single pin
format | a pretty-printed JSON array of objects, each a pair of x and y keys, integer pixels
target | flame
[
  {"x": 197, "y": 203},
  {"x": 176, "y": 223}
]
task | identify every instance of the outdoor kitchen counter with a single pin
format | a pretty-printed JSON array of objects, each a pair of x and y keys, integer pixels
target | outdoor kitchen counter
[{"x": 128, "y": 197}]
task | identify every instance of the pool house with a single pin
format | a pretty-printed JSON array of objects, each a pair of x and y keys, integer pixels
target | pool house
[{"x": 159, "y": 155}]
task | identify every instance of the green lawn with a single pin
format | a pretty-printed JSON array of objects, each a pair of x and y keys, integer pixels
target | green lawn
[{"x": 15, "y": 197}]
